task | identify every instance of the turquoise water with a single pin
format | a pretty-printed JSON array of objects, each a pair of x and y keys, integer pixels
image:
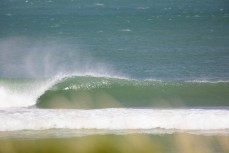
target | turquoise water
[
  {"x": 156, "y": 58},
  {"x": 94, "y": 92}
]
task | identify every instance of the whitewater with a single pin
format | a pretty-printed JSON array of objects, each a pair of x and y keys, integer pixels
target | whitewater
[{"x": 115, "y": 119}]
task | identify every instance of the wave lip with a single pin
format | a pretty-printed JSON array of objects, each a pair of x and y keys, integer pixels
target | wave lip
[{"x": 115, "y": 119}]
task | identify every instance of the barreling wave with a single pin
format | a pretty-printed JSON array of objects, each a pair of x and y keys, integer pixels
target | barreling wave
[{"x": 106, "y": 92}]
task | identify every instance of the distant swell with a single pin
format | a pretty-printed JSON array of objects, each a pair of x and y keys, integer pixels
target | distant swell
[{"x": 105, "y": 92}]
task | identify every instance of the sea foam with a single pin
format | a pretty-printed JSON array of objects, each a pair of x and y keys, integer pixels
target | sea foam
[
  {"x": 23, "y": 94},
  {"x": 115, "y": 119}
]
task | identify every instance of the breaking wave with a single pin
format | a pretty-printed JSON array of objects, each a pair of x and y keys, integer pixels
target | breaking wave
[
  {"x": 103, "y": 92},
  {"x": 86, "y": 91}
]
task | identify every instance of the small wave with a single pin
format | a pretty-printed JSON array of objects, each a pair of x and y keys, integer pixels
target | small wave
[
  {"x": 208, "y": 81},
  {"x": 142, "y": 8},
  {"x": 99, "y": 4},
  {"x": 126, "y": 30}
]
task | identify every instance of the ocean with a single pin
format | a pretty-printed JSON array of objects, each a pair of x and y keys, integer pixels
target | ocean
[{"x": 74, "y": 71}]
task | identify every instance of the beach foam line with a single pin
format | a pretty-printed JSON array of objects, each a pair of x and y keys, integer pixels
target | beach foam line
[{"x": 114, "y": 119}]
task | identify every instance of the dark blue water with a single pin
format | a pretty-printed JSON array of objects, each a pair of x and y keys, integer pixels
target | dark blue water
[{"x": 165, "y": 40}]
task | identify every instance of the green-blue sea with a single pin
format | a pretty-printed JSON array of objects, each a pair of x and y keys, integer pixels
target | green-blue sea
[{"x": 78, "y": 71}]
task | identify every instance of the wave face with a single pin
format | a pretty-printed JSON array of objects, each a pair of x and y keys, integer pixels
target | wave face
[
  {"x": 104, "y": 92},
  {"x": 115, "y": 119}
]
